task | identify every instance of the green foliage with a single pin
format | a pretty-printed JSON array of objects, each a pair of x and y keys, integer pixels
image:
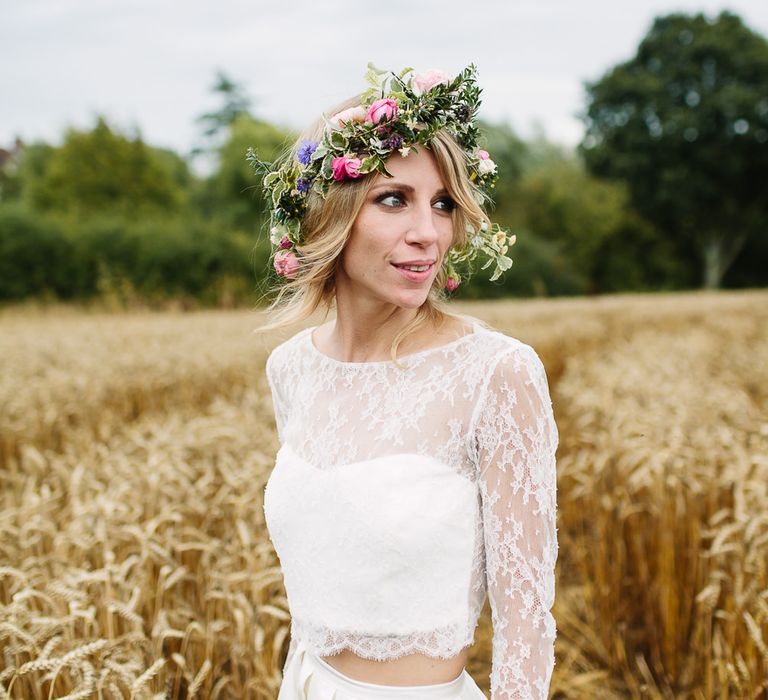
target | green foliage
[
  {"x": 235, "y": 104},
  {"x": 685, "y": 124},
  {"x": 29, "y": 174},
  {"x": 539, "y": 268},
  {"x": 233, "y": 195},
  {"x": 508, "y": 151},
  {"x": 151, "y": 260},
  {"x": 36, "y": 259},
  {"x": 597, "y": 229},
  {"x": 101, "y": 171},
  {"x": 164, "y": 259}
]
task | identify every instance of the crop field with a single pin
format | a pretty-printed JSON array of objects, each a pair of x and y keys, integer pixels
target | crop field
[{"x": 134, "y": 449}]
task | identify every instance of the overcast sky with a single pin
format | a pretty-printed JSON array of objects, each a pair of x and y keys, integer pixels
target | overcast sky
[{"x": 150, "y": 64}]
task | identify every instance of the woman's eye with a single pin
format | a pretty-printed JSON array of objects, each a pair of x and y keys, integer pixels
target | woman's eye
[
  {"x": 448, "y": 204},
  {"x": 397, "y": 197}
]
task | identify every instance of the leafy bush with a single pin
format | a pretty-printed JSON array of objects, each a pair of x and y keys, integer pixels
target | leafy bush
[{"x": 36, "y": 259}]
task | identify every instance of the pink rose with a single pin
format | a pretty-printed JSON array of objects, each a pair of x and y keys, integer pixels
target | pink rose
[
  {"x": 286, "y": 264},
  {"x": 427, "y": 80},
  {"x": 353, "y": 114},
  {"x": 285, "y": 242},
  {"x": 452, "y": 283},
  {"x": 344, "y": 167},
  {"x": 381, "y": 109},
  {"x": 483, "y": 155}
]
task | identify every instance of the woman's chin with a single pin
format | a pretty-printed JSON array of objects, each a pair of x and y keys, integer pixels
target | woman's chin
[{"x": 414, "y": 298}]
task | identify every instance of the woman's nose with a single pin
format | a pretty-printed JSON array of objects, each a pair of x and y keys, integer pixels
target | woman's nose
[{"x": 422, "y": 225}]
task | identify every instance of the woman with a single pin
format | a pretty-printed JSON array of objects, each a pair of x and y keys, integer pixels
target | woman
[{"x": 416, "y": 472}]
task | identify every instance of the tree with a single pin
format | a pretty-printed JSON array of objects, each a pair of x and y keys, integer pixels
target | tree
[
  {"x": 102, "y": 171},
  {"x": 235, "y": 104},
  {"x": 685, "y": 124},
  {"x": 508, "y": 151},
  {"x": 233, "y": 194}
]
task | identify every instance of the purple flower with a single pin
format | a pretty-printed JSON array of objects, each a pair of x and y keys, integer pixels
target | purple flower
[
  {"x": 393, "y": 142},
  {"x": 306, "y": 150},
  {"x": 302, "y": 184}
]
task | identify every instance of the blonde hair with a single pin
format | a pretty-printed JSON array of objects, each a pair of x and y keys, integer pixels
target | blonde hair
[{"x": 327, "y": 224}]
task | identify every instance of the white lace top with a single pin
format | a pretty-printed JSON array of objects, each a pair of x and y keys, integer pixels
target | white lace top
[{"x": 400, "y": 498}]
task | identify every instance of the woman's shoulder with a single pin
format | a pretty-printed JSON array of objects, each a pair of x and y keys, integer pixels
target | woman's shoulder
[
  {"x": 283, "y": 353},
  {"x": 501, "y": 355},
  {"x": 493, "y": 343}
]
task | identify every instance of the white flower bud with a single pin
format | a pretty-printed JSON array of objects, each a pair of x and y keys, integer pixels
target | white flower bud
[{"x": 486, "y": 166}]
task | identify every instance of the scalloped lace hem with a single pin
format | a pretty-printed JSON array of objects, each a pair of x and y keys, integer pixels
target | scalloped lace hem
[{"x": 443, "y": 643}]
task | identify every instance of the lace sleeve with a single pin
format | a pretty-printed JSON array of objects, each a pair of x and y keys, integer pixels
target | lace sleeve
[
  {"x": 275, "y": 382},
  {"x": 516, "y": 439}
]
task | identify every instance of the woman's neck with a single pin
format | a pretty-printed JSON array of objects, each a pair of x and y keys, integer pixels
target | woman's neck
[{"x": 365, "y": 338}]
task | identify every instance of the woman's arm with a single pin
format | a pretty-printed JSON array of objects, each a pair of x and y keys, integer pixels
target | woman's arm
[
  {"x": 276, "y": 383},
  {"x": 516, "y": 442}
]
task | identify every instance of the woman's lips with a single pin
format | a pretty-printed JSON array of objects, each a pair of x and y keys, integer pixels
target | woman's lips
[{"x": 415, "y": 276}]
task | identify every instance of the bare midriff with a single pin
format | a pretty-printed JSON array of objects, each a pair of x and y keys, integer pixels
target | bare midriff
[{"x": 413, "y": 669}]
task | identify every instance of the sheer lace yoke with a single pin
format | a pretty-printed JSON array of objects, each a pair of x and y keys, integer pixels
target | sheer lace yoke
[{"x": 310, "y": 340}]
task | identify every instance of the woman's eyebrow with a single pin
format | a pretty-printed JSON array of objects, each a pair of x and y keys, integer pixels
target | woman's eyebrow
[{"x": 403, "y": 186}]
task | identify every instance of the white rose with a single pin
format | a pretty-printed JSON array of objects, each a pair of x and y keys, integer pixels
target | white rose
[
  {"x": 353, "y": 114},
  {"x": 486, "y": 166},
  {"x": 423, "y": 82}
]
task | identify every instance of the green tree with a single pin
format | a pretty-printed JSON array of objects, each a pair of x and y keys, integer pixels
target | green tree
[
  {"x": 508, "y": 151},
  {"x": 102, "y": 171},
  {"x": 29, "y": 172},
  {"x": 685, "y": 124},
  {"x": 592, "y": 220},
  {"x": 234, "y": 104},
  {"x": 233, "y": 195}
]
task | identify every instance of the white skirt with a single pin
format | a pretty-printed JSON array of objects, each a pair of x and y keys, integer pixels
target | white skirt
[{"x": 308, "y": 677}]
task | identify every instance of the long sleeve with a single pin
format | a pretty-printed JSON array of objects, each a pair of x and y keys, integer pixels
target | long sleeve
[
  {"x": 516, "y": 439},
  {"x": 276, "y": 383}
]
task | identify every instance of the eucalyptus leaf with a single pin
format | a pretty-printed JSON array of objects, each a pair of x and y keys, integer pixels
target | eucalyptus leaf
[
  {"x": 370, "y": 95},
  {"x": 373, "y": 76}
]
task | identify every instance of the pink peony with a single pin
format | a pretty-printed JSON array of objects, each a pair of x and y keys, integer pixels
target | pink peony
[
  {"x": 452, "y": 283},
  {"x": 381, "y": 109},
  {"x": 483, "y": 155},
  {"x": 353, "y": 114},
  {"x": 286, "y": 264},
  {"x": 424, "y": 82},
  {"x": 344, "y": 167},
  {"x": 285, "y": 242}
]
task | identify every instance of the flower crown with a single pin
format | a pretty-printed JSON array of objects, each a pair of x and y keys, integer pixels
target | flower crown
[{"x": 396, "y": 113}]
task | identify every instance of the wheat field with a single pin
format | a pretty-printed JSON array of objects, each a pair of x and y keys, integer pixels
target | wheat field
[{"x": 134, "y": 449}]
